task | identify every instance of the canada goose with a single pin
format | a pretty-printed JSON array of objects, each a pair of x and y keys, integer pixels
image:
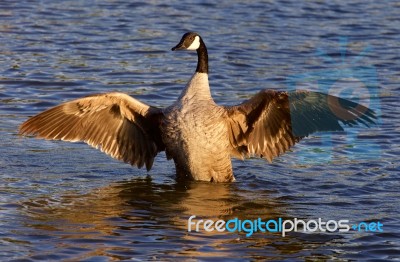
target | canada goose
[{"x": 199, "y": 135}]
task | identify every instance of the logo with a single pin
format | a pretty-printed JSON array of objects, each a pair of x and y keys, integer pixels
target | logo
[
  {"x": 280, "y": 225},
  {"x": 351, "y": 78}
]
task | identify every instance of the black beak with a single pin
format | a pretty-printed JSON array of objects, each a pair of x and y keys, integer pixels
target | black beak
[{"x": 179, "y": 46}]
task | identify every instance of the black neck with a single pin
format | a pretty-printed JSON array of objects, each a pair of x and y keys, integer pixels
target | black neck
[{"x": 202, "y": 56}]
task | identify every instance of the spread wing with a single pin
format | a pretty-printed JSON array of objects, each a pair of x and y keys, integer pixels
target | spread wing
[
  {"x": 271, "y": 122},
  {"x": 115, "y": 123}
]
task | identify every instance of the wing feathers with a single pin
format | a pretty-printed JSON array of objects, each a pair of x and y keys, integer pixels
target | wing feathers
[
  {"x": 271, "y": 122},
  {"x": 115, "y": 123}
]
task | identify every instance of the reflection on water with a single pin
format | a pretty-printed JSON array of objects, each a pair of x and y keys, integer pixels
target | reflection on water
[{"x": 122, "y": 220}]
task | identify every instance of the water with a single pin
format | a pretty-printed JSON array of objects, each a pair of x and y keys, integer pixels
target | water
[{"x": 67, "y": 201}]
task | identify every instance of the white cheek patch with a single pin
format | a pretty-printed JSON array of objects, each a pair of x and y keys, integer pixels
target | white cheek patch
[{"x": 195, "y": 44}]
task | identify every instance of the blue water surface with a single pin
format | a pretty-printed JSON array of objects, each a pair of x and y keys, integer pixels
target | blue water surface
[{"x": 67, "y": 201}]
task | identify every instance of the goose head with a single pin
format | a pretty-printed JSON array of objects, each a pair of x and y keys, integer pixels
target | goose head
[
  {"x": 189, "y": 41},
  {"x": 193, "y": 41}
]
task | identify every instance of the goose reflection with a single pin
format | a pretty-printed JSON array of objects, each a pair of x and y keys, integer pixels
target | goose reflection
[{"x": 139, "y": 217}]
